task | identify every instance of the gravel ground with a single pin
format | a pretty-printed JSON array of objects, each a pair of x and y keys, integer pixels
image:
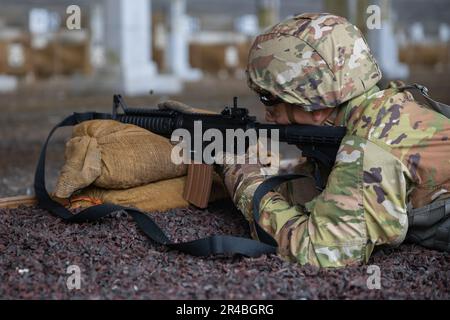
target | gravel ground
[{"x": 118, "y": 262}]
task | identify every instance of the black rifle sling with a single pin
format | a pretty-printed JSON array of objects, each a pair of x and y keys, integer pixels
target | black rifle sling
[
  {"x": 200, "y": 247},
  {"x": 268, "y": 185},
  {"x": 437, "y": 106}
]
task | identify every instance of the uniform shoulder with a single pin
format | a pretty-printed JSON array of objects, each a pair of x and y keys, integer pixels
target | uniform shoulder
[{"x": 381, "y": 110}]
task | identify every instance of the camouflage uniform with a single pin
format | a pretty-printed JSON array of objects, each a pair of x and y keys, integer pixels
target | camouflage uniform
[{"x": 395, "y": 151}]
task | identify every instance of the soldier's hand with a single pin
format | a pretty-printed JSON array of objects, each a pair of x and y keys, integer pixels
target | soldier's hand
[
  {"x": 175, "y": 105},
  {"x": 181, "y": 107}
]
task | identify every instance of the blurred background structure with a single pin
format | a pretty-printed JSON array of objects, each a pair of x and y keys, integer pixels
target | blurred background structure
[
  {"x": 59, "y": 56},
  {"x": 142, "y": 45},
  {"x": 63, "y": 56}
]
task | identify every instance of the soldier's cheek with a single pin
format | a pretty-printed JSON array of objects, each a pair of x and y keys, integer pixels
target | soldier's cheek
[{"x": 269, "y": 117}]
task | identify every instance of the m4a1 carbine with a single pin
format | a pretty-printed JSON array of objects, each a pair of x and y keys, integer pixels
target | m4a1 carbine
[{"x": 319, "y": 143}]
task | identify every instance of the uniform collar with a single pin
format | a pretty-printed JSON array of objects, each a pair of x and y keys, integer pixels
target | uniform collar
[{"x": 343, "y": 111}]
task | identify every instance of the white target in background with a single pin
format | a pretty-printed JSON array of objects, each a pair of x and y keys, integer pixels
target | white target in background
[{"x": 15, "y": 55}]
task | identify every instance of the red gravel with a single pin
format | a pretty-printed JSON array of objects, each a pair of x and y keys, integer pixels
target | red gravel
[{"x": 118, "y": 262}]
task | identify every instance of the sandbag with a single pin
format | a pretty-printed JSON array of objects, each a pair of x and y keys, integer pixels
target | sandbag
[
  {"x": 112, "y": 155},
  {"x": 153, "y": 197}
]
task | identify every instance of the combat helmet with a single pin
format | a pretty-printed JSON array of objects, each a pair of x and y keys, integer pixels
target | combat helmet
[{"x": 316, "y": 61}]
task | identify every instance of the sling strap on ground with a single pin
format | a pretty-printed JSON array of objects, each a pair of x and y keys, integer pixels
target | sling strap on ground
[{"x": 200, "y": 247}]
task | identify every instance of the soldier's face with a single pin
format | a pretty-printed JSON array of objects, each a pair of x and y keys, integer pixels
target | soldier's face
[{"x": 278, "y": 113}]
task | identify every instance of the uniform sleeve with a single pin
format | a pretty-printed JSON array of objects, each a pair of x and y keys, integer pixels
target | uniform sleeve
[{"x": 363, "y": 205}]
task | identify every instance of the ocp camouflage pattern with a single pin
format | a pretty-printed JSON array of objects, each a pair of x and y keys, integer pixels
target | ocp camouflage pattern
[
  {"x": 396, "y": 152},
  {"x": 315, "y": 60}
]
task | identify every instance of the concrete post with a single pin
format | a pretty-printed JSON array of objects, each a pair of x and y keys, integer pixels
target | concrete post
[
  {"x": 97, "y": 29},
  {"x": 128, "y": 35},
  {"x": 338, "y": 7},
  {"x": 178, "y": 54},
  {"x": 384, "y": 45},
  {"x": 268, "y": 13}
]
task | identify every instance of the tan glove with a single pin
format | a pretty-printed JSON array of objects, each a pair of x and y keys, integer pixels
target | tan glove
[{"x": 181, "y": 107}]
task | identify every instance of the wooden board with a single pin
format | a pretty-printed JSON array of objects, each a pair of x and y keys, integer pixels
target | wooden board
[
  {"x": 425, "y": 54},
  {"x": 14, "y": 202},
  {"x": 210, "y": 58}
]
